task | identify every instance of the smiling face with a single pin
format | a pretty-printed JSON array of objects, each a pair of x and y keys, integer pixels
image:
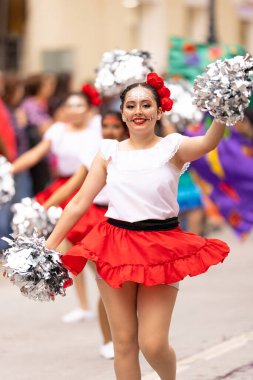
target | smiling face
[{"x": 140, "y": 110}]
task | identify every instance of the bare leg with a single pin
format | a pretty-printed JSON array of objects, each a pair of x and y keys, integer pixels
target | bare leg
[
  {"x": 120, "y": 305},
  {"x": 103, "y": 320},
  {"x": 81, "y": 291},
  {"x": 195, "y": 219},
  {"x": 80, "y": 286},
  {"x": 155, "y": 306}
]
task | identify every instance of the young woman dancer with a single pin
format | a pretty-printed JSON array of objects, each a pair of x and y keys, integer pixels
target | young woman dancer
[
  {"x": 140, "y": 249},
  {"x": 66, "y": 141},
  {"x": 112, "y": 128}
]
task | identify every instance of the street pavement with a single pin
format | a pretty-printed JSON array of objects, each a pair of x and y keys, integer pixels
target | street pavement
[{"x": 212, "y": 328}]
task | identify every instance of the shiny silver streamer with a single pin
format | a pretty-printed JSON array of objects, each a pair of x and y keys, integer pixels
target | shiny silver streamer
[
  {"x": 224, "y": 88},
  {"x": 7, "y": 184},
  {"x": 36, "y": 270},
  {"x": 29, "y": 215},
  {"x": 183, "y": 112},
  {"x": 118, "y": 69}
]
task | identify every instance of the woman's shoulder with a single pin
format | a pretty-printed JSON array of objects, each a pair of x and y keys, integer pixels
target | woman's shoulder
[
  {"x": 175, "y": 136},
  {"x": 108, "y": 148},
  {"x": 171, "y": 142}
]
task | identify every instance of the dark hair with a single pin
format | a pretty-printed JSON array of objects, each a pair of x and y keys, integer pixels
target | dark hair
[
  {"x": 145, "y": 85},
  {"x": 62, "y": 89},
  {"x": 11, "y": 83},
  {"x": 34, "y": 83},
  {"x": 63, "y": 83},
  {"x": 249, "y": 114},
  {"x": 117, "y": 115}
]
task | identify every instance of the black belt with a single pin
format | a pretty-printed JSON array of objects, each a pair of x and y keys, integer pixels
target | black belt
[
  {"x": 100, "y": 206},
  {"x": 146, "y": 225}
]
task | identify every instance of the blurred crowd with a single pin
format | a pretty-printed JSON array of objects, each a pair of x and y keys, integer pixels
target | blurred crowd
[{"x": 28, "y": 107}]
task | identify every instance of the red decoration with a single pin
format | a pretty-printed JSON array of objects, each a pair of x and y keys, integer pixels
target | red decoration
[
  {"x": 189, "y": 48},
  {"x": 164, "y": 93},
  {"x": 92, "y": 94},
  {"x": 227, "y": 189},
  {"x": 234, "y": 218},
  {"x": 155, "y": 81},
  {"x": 166, "y": 104},
  {"x": 68, "y": 283}
]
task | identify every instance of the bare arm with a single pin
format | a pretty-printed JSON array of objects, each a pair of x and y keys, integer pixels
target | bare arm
[
  {"x": 3, "y": 149},
  {"x": 94, "y": 182},
  {"x": 193, "y": 148},
  {"x": 65, "y": 191},
  {"x": 31, "y": 157}
]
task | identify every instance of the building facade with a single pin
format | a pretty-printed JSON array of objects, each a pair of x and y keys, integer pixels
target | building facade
[{"x": 71, "y": 35}]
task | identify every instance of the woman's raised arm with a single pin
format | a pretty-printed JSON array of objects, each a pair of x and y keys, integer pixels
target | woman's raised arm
[{"x": 193, "y": 148}]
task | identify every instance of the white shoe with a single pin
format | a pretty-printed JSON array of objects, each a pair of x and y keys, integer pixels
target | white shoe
[
  {"x": 107, "y": 351},
  {"x": 78, "y": 315}
]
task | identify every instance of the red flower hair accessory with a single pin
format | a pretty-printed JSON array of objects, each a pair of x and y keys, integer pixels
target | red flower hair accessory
[
  {"x": 92, "y": 94},
  {"x": 163, "y": 92}
]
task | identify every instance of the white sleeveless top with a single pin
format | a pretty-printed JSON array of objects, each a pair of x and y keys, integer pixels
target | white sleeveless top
[
  {"x": 68, "y": 146},
  {"x": 142, "y": 184}
]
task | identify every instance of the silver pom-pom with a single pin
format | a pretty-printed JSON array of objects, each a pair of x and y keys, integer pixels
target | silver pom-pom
[
  {"x": 30, "y": 215},
  {"x": 183, "y": 111},
  {"x": 118, "y": 69},
  {"x": 224, "y": 88},
  {"x": 7, "y": 185},
  {"x": 36, "y": 270}
]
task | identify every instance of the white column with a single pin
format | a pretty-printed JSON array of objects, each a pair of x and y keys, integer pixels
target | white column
[
  {"x": 248, "y": 37},
  {"x": 153, "y": 32}
]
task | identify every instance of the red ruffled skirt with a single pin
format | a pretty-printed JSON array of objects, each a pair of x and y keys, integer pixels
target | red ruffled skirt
[
  {"x": 149, "y": 258},
  {"x": 44, "y": 195},
  {"x": 93, "y": 216}
]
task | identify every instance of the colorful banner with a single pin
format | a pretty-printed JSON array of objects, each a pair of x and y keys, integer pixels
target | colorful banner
[
  {"x": 228, "y": 174},
  {"x": 188, "y": 59}
]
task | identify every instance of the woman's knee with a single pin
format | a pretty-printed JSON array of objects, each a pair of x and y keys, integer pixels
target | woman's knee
[
  {"x": 153, "y": 347},
  {"x": 125, "y": 342}
]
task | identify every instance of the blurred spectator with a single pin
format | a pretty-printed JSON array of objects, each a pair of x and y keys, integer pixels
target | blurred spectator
[
  {"x": 7, "y": 134},
  {"x": 12, "y": 97},
  {"x": 3, "y": 151},
  {"x": 62, "y": 89},
  {"x": 38, "y": 90},
  {"x": 9, "y": 149}
]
